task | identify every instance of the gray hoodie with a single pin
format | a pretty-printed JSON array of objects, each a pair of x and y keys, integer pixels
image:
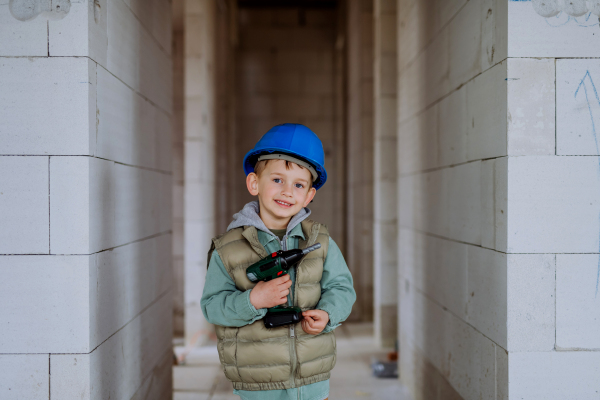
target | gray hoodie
[{"x": 249, "y": 216}]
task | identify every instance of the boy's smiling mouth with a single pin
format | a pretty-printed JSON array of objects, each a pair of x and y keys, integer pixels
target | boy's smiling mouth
[{"x": 283, "y": 203}]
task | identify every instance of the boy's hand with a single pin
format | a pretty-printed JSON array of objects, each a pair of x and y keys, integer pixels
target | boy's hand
[
  {"x": 314, "y": 321},
  {"x": 272, "y": 293}
]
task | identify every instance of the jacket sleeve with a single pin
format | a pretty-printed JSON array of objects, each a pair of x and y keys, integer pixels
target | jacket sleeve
[
  {"x": 337, "y": 288},
  {"x": 222, "y": 303}
]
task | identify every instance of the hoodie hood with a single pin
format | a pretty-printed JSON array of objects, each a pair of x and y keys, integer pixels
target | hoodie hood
[{"x": 249, "y": 216}]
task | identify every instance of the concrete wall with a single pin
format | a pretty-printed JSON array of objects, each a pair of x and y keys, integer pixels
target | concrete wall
[
  {"x": 498, "y": 205},
  {"x": 85, "y": 227},
  {"x": 385, "y": 203},
  {"x": 452, "y": 173}
]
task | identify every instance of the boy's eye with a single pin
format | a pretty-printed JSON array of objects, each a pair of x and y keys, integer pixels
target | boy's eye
[
  {"x": 299, "y": 185},
  {"x": 277, "y": 180}
]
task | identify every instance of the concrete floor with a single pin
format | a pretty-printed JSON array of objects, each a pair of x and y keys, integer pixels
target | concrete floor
[{"x": 202, "y": 378}]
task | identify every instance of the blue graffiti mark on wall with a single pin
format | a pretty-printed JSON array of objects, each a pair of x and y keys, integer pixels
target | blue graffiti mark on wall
[
  {"x": 585, "y": 81},
  {"x": 563, "y": 19}
]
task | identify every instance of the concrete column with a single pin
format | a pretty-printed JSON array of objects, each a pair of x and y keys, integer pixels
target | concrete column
[
  {"x": 85, "y": 191},
  {"x": 359, "y": 154},
  {"x": 199, "y": 156},
  {"x": 385, "y": 227}
]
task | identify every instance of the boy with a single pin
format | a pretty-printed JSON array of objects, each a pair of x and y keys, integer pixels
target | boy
[{"x": 284, "y": 170}]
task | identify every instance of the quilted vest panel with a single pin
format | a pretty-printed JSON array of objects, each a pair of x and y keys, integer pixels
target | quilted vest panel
[{"x": 256, "y": 358}]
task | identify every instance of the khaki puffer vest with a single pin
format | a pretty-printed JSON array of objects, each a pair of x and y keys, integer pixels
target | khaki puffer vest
[{"x": 257, "y": 358}]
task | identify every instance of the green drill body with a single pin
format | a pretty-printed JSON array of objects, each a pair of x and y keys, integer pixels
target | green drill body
[{"x": 274, "y": 266}]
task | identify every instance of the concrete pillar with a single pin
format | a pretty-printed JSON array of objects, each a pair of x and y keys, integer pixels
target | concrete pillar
[
  {"x": 199, "y": 156},
  {"x": 385, "y": 227},
  {"x": 498, "y": 210},
  {"x": 359, "y": 154},
  {"x": 85, "y": 194}
]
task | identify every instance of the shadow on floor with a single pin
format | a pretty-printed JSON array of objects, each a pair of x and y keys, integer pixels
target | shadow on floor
[{"x": 351, "y": 379}]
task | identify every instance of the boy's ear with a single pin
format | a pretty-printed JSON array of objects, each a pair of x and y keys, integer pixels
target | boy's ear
[
  {"x": 311, "y": 194},
  {"x": 252, "y": 183}
]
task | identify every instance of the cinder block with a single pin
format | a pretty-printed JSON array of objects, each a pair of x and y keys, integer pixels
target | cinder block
[
  {"x": 297, "y": 105},
  {"x": 501, "y": 373},
  {"x": 438, "y": 66},
  {"x": 24, "y": 376},
  {"x": 318, "y": 84},
  {"x": 488, "y": 220},
  {"x": 487, "y": 293},
  {"x": 48, "y": 294},
  {"x": 82, "y": 32},
  {"x": 22, "y": 38},
  {"x": 126, "y": 280},
  {"x": 554, "y": 375},
  {"x": 130, "y": 128},
  {"x": 563, "y": 36},
  {"x": 578, "y": 107},
  {"x": 494, "y": 20},
  {"x": 24, "y": 201},
  {"x": 387, "y": 33},
  {"x": 463, "y": 206},
  {"x": 553, "y": 205},
  {"x": 486, "y": 114},
  {"x": 531, "y": 302},
  {"x": 577, "y": 316},
  {"x": 388, "y": 74},
  {"x": 135, "y": 352},
  {"x": 501, "y": 203},
  {"x": 530, "y": 96},
  {"x": 135, "y": 57},
  {"x": 52, "y": 106},
  {"x": 411, "y": 96},
  {"x": 70, "y": 377},
  {"x": 453, "y": 128}
]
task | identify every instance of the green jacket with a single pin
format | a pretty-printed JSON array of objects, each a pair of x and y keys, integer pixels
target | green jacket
[{"x": 223, "y": 304}]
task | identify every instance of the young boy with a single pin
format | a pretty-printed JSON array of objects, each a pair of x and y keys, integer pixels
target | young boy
[{"x": 284, "y": 170}]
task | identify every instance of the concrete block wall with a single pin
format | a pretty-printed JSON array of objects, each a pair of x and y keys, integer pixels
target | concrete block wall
[
  {"x": 85, "y": 177},
  {"x": 498, "y": 201},
  {"x": 385, "y": 228},
  {"x": 452, "y": 189}
]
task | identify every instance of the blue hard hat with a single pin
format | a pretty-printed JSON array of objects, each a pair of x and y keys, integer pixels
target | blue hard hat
[{"x": 293, "y": 139}]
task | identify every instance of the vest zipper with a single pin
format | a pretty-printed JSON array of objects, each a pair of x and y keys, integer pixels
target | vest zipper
[{"x": 292, "y": 333}]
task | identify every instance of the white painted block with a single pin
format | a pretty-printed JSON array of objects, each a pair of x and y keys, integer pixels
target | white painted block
[
  {"x": 70, "y": 378},
  {"x": 554, "y": 375},
  {"x": 501, "y": 374},
  {"x": 155, "y": 16},
  {"x": 577, "y": 311},
  {"x": 47, "y": 106},
  {"x": 411, "y": 96},
  {"x": 24, "y": 204},
  {"x": 127, "y": 279},
  {"x": 494, "y": 20},
  {"x": 136, "y": 58},
  {"x": 418, "y": 141},
  {"x": 463, "y": 206},
  {"x": 121, "y": 365},
  {"x": 24, "y": 376},
  {"x": 531, "y": 302},
  {"x": 578, "y": 107},
  {"x": 486, "y": 114},
  {"x": 19, "y": 38},
  {"x": 501, "y": 202},
  {"x": 487, "y": 185},
  {"x": 553, "y": 204},
  {"x": 530, "y": 91},
  {"x": 487, "y": 293},
  {"x": 70, "y": 205},
  {"x": 82, "y": 32},
  {"x": 562, "y": 36},
  {"x": 453, "y": 128},
  {"x": 385, "y": 201},
  {"x": 126, "y": 129},
  {"x": 48, "y": 294}
]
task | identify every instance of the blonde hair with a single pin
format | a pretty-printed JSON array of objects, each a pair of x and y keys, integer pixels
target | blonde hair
[{"x": 261, "y": 165}]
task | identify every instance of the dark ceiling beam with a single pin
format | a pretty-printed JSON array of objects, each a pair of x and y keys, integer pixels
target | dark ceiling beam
[{"x": 287, "y": 3}]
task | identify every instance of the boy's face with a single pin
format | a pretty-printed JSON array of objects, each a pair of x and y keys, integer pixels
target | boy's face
[{"x": 281, "y": 192}]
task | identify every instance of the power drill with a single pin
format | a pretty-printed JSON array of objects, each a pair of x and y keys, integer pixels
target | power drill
[{"x": 274, "y": 266}]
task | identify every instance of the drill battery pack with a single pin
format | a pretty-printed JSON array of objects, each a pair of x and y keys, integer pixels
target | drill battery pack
[{"x": 280, "y": 316}]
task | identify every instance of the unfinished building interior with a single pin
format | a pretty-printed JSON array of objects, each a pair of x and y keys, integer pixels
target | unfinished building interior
[{"x": 463, "y": 162}]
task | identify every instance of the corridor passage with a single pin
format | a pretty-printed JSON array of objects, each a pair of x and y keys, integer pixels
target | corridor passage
[{"x": 202, "y": 379}]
